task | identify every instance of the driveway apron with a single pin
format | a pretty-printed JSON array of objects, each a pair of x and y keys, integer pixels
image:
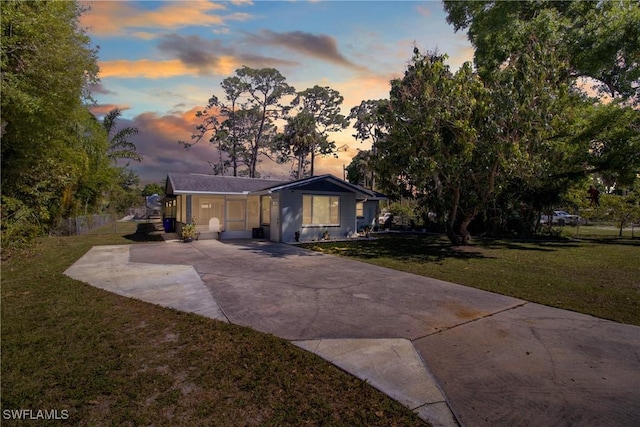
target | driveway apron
[{"x": 455, "y": 355}]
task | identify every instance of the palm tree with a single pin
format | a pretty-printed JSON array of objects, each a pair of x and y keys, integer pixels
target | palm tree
[{"x": 119, "y": 145}]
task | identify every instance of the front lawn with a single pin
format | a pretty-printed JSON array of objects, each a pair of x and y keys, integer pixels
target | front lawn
[
  {"x": 596, "y": 277},
  {"x": 102, "y": 359}
]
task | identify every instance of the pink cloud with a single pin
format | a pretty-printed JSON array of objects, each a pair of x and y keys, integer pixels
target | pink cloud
[{"x": 113, "y": 18}]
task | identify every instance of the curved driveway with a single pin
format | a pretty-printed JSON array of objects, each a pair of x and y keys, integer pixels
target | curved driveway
[{"x": 451, "y": 353}]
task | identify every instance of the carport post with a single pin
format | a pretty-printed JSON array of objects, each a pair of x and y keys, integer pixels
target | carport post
[{"x": 189, "y": 216}]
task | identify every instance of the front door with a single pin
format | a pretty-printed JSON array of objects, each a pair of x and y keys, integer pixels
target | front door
[{"x": 274, "y": 228}]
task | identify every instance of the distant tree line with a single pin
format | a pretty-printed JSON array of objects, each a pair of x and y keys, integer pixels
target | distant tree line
[{"x": 58, "y": 160}]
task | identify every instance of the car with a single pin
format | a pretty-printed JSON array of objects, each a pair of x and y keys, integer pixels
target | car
[
  {"x": 384, "y": 217},
  {"x": 561, "y": 218}
]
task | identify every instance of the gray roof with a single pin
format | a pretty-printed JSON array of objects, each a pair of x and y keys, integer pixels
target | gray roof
[
  {"x": 182, "y": 183},
  {"x": 192, "y": 183}
]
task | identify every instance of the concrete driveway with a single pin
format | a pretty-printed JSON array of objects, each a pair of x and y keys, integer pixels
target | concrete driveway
[{"x": 453, "y": 354}]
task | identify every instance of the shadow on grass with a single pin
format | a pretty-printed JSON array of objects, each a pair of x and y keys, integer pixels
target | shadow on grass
[
  {"x": 437, "y": 248},
  {"x": 146, "y": 232},
  {"x": 404, "y": 247},
  {"x": 535, "y": 245},
  {"x": 612, "y": 240}
]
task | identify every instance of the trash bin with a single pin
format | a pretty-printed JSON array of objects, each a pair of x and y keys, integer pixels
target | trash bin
[
  {"x": 169, "y": 225},
  {"x": 257, "y": 233}
]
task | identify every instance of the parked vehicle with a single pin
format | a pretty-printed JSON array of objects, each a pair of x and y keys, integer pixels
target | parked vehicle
[
  {"x": 561, "y": 218},
  {"x": 385, "y": 219}
]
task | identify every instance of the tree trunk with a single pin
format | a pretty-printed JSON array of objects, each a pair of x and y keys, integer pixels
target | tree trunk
[
  {"x": 300, "y": 166},
  {"x": 313, "y": 158},
  {"x": 451, "y": 220},
  {"x": 464, "y": 232}
]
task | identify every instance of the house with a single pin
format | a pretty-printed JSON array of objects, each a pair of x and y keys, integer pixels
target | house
[{"x": 236, "y": 207}]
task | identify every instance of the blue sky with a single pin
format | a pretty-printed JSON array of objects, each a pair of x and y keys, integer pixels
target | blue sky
[{"x": 161, "y": 61}]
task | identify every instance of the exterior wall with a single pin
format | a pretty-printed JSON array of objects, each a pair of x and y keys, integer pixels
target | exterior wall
[
  {"x": 237, "y": 214},
  {"x": 371, "y": 212},
  {"x": 291, "y": 216},
  {"x": 275, "y": 228}
]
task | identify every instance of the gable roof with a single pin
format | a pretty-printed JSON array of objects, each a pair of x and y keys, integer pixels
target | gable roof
[
  {"x": 192, "y": 183},
  {"x": 304, "y": 182}
]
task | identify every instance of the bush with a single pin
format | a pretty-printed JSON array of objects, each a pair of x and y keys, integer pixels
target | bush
[{"x": 20, "y": 225}]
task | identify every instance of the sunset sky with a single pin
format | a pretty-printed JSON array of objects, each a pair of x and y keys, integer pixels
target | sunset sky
[{"x": 160, "y": 62}]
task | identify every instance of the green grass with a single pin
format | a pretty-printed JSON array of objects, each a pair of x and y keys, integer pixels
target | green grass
[
  {"x": 110, "y": 360},
  {"x": 602, "y": 232},
  {"x": 596, "y": 277}
]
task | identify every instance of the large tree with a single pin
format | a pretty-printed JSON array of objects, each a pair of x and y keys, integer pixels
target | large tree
[
  {"x": 370, "y": 127},
  {"x": 434, "y": 147},
  {"x": 571, "y": 44},
  {"x": 297, "y": 141},
  {"x": 47, "y": 65},
  {"x": 323, "y": 105},
  {"x": 600, "y": 39},
  {"x": 242, "y": 125}
]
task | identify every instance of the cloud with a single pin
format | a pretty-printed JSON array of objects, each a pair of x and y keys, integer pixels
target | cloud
[
  {"x": 122, "y": 68},
  {"x": 157, "y": 143},
  {"x": 193, "y": 50},
  {"x": 212, "y": 57},
  {"x": 101, "y": 110},
  {"x": 99, "y": 88},
  {"x": 116, "y": 18},
  {"x": 320, "y": 46}
]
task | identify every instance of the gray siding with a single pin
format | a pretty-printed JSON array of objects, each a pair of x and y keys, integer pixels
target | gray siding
[
  {"x": 291, "y": 216},
  {"x": 371, "y": 213}
]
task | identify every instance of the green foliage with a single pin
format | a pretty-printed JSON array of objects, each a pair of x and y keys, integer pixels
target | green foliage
[
  {"x": 20, "y": 224},
  {"x": 297, "y": 141},
  {"x": 153, "y": 188},
  {"x": 323, "y": 105},
  {"x": 361, "y": 170},
  {"x": 54, "y": 151},
  {"x": 510, "y": 140},
  {"x": 435, "y": 146},
  {"x": 609, "y": 138},
  {"x": 600, "y": 40},
  {"x": 120, "y": 147},
  {"x": 405, "y": 212}
]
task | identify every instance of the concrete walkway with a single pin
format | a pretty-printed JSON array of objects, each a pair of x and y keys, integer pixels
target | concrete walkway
[{"x": 455, "y": 355}]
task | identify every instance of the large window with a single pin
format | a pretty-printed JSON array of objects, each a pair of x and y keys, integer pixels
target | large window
[{"x": 320, "y": 210}]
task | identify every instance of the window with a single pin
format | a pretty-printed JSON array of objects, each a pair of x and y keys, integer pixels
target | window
[
  {"x": 360, "y": 209},
  {"x": 236, "y": 215},
  {"x": 265, "y": 202},
  {"x": 320, "y": 210}
]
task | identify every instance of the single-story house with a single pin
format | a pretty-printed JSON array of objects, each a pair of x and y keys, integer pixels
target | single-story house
[{"x": 229, "y": 207}]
